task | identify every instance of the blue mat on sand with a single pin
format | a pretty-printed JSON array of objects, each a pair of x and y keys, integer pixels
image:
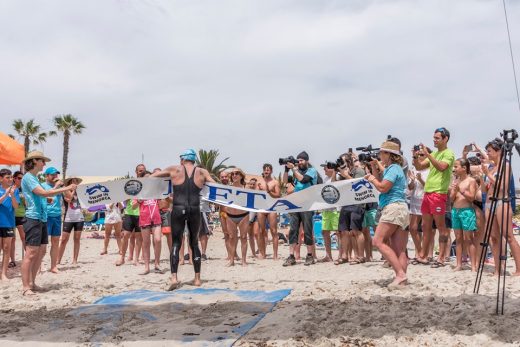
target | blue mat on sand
[{"x": 195, "y": 317}]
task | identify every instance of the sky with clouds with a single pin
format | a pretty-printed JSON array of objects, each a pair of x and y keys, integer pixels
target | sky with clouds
[{"x": 255, "y": 79}]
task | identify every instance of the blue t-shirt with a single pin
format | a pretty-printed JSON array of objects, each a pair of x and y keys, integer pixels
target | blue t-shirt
[
  {"x": 7, "y": 210},
  {"x": 395, "y": 174},
  {"x": 53, "y": 209},
  {"x": 311, "y": 172},
  {"x": 36, "y": 206}
]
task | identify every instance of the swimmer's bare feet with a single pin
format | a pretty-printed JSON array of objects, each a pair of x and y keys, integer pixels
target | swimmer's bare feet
[
  {"x": 231, "y": 263},
  {"x": 458, "y": 268},
  {"x": 197, "y": 282},
  {"x": 55, "y": 270},
  {"x": 103, "y": 253},
  {"x": 4, "y": 278},
  {"x": 398, "y": 283},
  {"x": 120, "y": 262},
  {"x": 244, "y": 263},
  {"x": 145, "y": 272},
  {"x": 174, "y": 284}
]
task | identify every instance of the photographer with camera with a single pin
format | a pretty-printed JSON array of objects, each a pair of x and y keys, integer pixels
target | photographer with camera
[
  {"x": 351, "y": 216},
  {"x": 435, "y": 197},
  {"x": 304, "y": 176},
  {"x": 394, "y": 212}
]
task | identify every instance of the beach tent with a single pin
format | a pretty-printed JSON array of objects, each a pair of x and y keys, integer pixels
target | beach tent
[{"x": 11, "y": 152}]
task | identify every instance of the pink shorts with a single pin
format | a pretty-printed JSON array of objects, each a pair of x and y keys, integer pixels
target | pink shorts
[{"x": 434, "y": 203}]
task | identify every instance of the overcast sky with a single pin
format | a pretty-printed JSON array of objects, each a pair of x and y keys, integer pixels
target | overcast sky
[{"x": 255, "y": 79}]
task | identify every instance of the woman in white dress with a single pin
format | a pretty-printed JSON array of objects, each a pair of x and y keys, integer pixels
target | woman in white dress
[{"x": 113, "y": 221}]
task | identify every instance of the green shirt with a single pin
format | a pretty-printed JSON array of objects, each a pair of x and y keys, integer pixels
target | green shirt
[
  {"x": 20, "y": 211},
  {"x": 130, "y": 211},
  {"x": 439, "y": 181}
]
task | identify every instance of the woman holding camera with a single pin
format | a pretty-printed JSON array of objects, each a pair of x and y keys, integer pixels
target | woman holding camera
[{"x": 394, "y": 211}]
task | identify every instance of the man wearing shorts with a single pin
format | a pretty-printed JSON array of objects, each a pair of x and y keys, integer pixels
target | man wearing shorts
[
  {"x": 131, "y": 229},
  {"x": 433, "y": 208},
  {"x": 351, "y": 217},
  {"x": 8, "y": 203},
  {"x": 19, "y": 217},
  {"x": 36, "y": 237},
  {"x": 272, "y": 187},
  {"x": 329, "y": 218},
  {"x": 53, "y": 215}
]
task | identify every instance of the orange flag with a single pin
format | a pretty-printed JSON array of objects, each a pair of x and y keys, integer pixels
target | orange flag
[{"x": 11, "y": 152}]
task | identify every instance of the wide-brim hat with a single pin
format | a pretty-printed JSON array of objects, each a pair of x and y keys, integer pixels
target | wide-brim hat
[
  {"x": 236, "y": 169},
  {"x": 36, "y": 155},
  {"x": 390, "y": 147},
  {"x": 67, "y": 181}
]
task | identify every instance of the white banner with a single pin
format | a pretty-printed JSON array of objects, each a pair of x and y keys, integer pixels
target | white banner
[{"x": 318, "y": 197}]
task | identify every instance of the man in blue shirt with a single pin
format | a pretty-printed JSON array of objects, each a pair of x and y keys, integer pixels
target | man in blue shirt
[
  {"x": 304, "y": 176},
  {"x": 9, "y": 200},
  {"x": 53, "y": 214},
  {"x": 35, "y": 226}
]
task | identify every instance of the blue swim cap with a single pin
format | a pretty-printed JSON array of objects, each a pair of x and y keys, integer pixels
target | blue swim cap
[{"x": 190, "y": 155}]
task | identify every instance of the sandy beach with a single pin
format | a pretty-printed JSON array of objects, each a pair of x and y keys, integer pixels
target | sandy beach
[{"x": 346, "y": 305}]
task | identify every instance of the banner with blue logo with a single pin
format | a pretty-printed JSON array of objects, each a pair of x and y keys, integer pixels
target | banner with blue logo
[{"x": 318, "y": 197}]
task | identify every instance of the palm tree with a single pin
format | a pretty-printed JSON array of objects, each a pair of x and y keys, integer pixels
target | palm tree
[
  {"x": 31, "y": 133},
  {"x": 207, "y": 160},
  {"x": 68, "y": 125}
]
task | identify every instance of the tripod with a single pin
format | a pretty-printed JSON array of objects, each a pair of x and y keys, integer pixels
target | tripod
[{"x": 500, "y": 195}]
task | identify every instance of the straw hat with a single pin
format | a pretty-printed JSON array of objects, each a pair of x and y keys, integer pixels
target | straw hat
[
  {"x": 67, "y": 181},
  {"x": 236, "y": 169},
  {"x": 390, "y": 147},
  {"x": 36, "y": 155}
]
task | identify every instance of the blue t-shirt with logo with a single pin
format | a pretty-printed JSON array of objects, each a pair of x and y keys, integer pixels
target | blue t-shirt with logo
[
  {"x": 311, "y": 172},
  {"x": 395, "y": 174},
  {"x": 54, "y": 208},
  {"x": 36, "y": 206},
  {"x": 7, "y": 210}
]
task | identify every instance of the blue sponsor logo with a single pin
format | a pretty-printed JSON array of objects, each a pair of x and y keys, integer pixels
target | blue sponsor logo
[
  {"x": 97, "y": 188},
  {"x": 359, "y": 185}
]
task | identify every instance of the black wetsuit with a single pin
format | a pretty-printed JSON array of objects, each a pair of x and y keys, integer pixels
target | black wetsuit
[{"x": 186, "y": 210}]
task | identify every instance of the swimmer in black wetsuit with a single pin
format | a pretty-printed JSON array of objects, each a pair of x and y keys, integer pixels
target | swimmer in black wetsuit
[{"x": 187, "y": 182}]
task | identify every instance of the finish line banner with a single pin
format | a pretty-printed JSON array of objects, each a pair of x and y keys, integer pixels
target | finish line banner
[{"x": 318, "y": 197}]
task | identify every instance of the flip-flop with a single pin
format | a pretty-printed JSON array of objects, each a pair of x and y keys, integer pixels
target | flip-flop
[
  {"x": 437, "y": 265},
  {"x": 158, "y": 271},
  {"x": 340, "y": 261},
  {"x": 11, "y": 264},
  {"x": 31, "y": 294}
]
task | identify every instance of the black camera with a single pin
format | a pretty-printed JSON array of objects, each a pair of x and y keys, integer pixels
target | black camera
[
  {"x": 331, "y": 165},
  {"x": 416, "y": 148},
  {"x": 368, "y": 154},
  {"x": 289, "y": 159}
]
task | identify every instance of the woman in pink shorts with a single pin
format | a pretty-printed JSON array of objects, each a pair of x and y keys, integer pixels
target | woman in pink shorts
[{"x": 150, "y": 224}]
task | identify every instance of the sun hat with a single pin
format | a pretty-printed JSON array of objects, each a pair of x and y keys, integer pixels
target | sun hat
[
  {"x": 36, "y": 155},
  {"x": 51, "y": 171},
  {"x": 390, "y": 147},
  {"x": 236, "y": 169},
  {"x": 189, "y": 154}
]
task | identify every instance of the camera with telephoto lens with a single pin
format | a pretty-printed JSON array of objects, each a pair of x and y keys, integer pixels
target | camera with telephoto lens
[
  {"x": 368, "y": 154},
  {"x": 289, "y": 159}
]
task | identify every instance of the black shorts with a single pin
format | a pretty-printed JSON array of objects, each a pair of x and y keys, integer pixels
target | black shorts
[
  {"x": 19, "y": 220},
  {"x": 351, "y": 218},
  {"x": 69, "y": 226},
  {"x": 131, "y": 223},
  {"x": 35, "y": 232},
  {"x": 204, "y": 230},
  {"x": 6, "y": 232}
]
